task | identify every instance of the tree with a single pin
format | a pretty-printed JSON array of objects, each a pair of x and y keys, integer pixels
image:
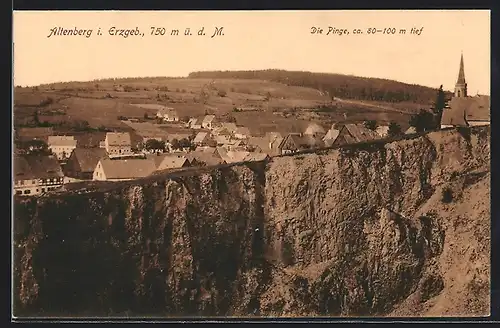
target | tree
[
  {"x": 36, "y": 120},
  {"x": 153, "y": 144},
  {"x": 184, "y": 143},
  {"x": 423, "y": 121},
  {"x": 372, "y": 125},
  {"x": 34, "y": 146},
  {"x": 439, "y": 106},
  {"x": 394, "y": 130},
  {"x": 175, "y": 144}
]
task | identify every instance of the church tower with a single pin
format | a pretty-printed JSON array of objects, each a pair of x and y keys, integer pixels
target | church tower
[{"x": 461, "y": 85}]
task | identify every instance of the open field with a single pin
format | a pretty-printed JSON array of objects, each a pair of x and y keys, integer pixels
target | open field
[{"x": 262, "y": 103}]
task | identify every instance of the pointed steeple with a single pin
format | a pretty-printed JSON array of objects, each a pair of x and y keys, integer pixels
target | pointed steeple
[
  {"x": 461, "y": 73},
  {"x": 461, "y": 85}
]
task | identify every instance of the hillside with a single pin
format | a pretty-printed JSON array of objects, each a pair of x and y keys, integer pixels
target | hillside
[
  {"x": 261, "y": 105},
  {"x": 344, "y": 232},
  {"x": 336, "y": 85}
]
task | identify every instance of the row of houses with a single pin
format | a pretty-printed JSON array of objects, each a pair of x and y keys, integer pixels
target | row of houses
[
  {"x": 114, "y": 160},
  {"x": 37, "y": 174}
]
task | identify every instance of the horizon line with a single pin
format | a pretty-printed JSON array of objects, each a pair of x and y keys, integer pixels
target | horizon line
[{"x": 238, "y": 70}]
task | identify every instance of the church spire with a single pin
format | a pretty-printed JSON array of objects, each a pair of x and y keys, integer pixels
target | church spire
[
  {"x": 461, "y": 85},
  {"x": 461, "y": 73}
]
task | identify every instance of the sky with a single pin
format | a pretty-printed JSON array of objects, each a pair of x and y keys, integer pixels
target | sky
[{"x": 255, "y": 40}]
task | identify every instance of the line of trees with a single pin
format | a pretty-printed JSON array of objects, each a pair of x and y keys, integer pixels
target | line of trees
[
  {"x": 336, "y": 85},
  {"x": 75, "y": 125},
  {"x": 424, "y": 120}
]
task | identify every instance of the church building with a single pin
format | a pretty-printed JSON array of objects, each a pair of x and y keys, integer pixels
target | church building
[{"x": 463, "y": 109}]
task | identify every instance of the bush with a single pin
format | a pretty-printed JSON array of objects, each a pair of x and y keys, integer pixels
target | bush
[
  {"x": 371, "y": 125},
  {"x": 447, "y": 196},
  {"x": 423, "y": 121},
  {"x": 394, "y": 130},
  {"x": 221, "y": 93}
]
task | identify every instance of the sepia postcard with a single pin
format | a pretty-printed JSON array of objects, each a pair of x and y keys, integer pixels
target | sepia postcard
[{"x": 251, "y": 164}]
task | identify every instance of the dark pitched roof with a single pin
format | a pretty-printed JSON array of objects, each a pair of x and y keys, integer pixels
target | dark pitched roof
[
  {"x": 304, "y": 142},
  {"x": 36, "y": 167},
  {"x": 207, "y": 158},
  {"x": 358, "y": 133},
  {"x": 87, "y": 158},
  {"x": 463, "y": 109},
  {"x": 262, "y": 143}
]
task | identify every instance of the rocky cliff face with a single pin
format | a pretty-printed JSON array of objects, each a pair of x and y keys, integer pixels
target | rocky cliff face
[{"x": 400, "y": 228}]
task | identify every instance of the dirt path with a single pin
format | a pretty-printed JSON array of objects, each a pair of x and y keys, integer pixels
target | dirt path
[{"x": 365, "y": 104}]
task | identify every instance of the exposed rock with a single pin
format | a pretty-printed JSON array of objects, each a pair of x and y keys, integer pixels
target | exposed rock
[{"x": 341, "y": 233}]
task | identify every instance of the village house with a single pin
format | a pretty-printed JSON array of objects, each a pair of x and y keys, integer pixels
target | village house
[
  {"x": 314, "y": 129},
  {"x": 294, "y": 142},
  {"x": 230, "y": 156},
  {"x": 275, "y": 140},
  {"x": 330, "y": 136},
  {"x": 61, "y": 146},
  {"x": 256, "y": 157},
  {"x": 242, "y": 132},
  {"x": 209, "y": 122},
  {"x": 193, "y": 123},
  {"x": 465, "y": 110},
  {"x": 118, "y": 143},
  {"x": 201, "y": 138},
  {"x": 259, "y": 144},
  {"x": 411, "y": 130},
  {"x": 123, "y": 169},
  {"x": 207, "y": 149},
  {"x": 83, "y": 161},
  {"x": 167, "y": 114},
  {"x": 36, "y": 174},
  {"x": 234, "y": 145},
  {"x": 222, "y": 139},
  {"x": 201, "y": 158},
  {"x": 227, "y": 128},
  {"x": 169, "y": 162},
  {"x": 470, "y": 111},
  {"x": 354, "y": 133}
]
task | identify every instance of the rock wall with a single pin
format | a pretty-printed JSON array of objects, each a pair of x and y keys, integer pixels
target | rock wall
[{"x": 361, "y": 230}]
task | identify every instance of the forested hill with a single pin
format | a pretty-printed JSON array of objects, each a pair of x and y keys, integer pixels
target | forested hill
[{"x": 337, "y": 85}]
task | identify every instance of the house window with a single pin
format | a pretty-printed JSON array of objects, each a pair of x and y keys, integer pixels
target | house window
[
  {"x": 19, "y": 192},
  {"x": 21, "y": 182},
  {"x": 37, "y": 190},
  {"x": 27, "y": 192},
  {"x": 34, "y": 181},
  {"x": 43, "y": 189}
]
